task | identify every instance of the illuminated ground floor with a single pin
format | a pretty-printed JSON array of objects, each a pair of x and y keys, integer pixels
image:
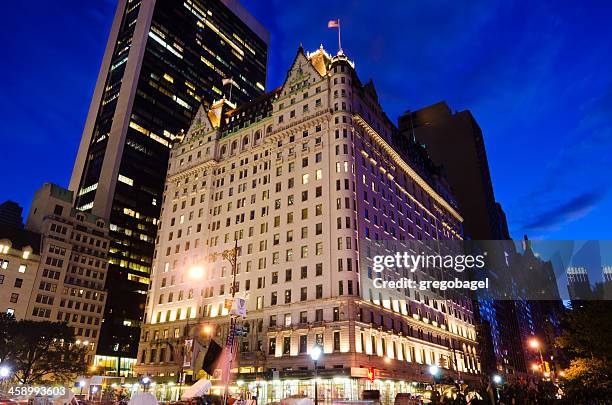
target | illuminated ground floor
[{"x": 330, "y": 388}]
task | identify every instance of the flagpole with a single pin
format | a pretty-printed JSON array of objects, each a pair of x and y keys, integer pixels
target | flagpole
[{"x": 339, "y": 43}]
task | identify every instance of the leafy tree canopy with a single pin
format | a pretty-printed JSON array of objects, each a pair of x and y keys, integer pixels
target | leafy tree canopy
[{"x": 40, "y": 350}]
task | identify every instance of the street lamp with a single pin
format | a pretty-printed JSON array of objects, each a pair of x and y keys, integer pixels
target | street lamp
[
  {"x": 497, "y": 380},
  {"x": 535, "y": 344},
  {"x": 434, "y": 370},
  {"x": 146, "y": 381},
  {"x": 5, "y": 371},
  {"x": 207, "y": 330},
  {"x": 196, "y": 272},
  {"x": 315, "y": 354},
  {"x": 81, "y": 384}
]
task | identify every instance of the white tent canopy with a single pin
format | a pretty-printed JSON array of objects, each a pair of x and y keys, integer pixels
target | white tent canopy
[
  {"x": 143, "y": 398},
  {"x": 201, "y": 387},
  {"x": 67, "y": 399}
]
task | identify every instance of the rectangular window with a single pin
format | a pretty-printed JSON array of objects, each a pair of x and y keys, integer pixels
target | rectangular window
[
  {"x": 303, "y": 343},
  {"x": 272, "y": 346}
]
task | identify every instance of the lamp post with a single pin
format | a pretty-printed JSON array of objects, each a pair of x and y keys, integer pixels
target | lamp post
[
  {"x": 535, "y": 344},
  {"x": 145, "y": 382},
  {"x": 81, "y": 384},
  {"x": 434, "y": 370},
  {"x": 497, "y": 380},
  {"x": 5, "y": 374},
  {"x": 315, "y": 354}
]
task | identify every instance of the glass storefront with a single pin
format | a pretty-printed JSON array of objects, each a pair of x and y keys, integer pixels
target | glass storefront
[
  {"x": 329, "y": 389},
  {"x": 114, "y": 366}
]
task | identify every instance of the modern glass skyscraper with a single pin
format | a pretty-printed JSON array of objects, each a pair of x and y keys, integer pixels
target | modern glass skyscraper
[{"x": 163, "y": 59}]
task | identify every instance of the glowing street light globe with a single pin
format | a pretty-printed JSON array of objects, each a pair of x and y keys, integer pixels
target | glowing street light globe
[
  {"x": 81, "y": 384},
  {"x": 207, "y": 330},
  {"x": 196, "y": 272},
  {"x": 434, "y": 370},
  {"x": 315, "y": 353},
  {"x": 497, "y": 379},
  {"x": 146, "y": 380},
  {"x": 534, "y": 344},
  {"x": 4, "y": 371}
]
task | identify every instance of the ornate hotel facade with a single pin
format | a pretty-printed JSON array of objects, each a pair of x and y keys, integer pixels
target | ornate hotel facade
[{"x": 302, "y": 178}]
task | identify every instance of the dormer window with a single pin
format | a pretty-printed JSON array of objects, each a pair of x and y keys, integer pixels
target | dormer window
[
  {"x": 5, "y": 245},
  {"x": 27, "y": 251}
]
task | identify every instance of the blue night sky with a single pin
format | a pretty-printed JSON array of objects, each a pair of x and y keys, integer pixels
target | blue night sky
[{"x": 536, "y": 75}]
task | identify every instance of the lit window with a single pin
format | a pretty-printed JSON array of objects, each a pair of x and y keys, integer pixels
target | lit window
[
  {"x": 305, "y": 178},
  {"x": 22, "y": 268},
  {"x": 126, "y": 180}
]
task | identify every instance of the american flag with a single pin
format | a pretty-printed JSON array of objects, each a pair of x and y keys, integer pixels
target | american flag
[{"x": 333, "y": 23}]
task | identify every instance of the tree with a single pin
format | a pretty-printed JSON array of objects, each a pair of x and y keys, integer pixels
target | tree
[
  {"x": 587, "y": 381},
  {"x": 586, "y": 340},
  {"x": 39, "y": 351},
  {"x": 6, "y": 321}
]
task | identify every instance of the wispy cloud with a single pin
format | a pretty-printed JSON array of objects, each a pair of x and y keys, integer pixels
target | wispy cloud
[{"x": 577, "y": 207}]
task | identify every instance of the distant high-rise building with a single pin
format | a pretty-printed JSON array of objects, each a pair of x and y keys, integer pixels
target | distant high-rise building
[
  {"x": 55, "y": 268},
  {"x": 607, "y": 282},
  {"x": 163, "y": 60},
  {"x": 502, "y": 223},
  {"x": 578, "y": 284},
  {"x": 10, "y": 214},
  {"x": 454, "y": 141}
]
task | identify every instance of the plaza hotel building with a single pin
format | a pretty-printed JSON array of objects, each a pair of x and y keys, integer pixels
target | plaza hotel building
[{"x": 302, "y": 178}]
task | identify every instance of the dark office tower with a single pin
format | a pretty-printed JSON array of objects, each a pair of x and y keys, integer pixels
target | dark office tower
[
  {"x": 163, "y": 60},
  {"x": 578, "y": 284},
  {"x": 607, "y": 282},
  {"x": 454, "y": 141},
  {"x": 502, "y": 222},
  {"x": 10, "y": 214}
]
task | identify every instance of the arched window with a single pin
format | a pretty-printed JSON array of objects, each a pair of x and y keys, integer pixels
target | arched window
[
  {"x": 245, "y": 141},
  {"x": 269, "y": 129},
  {"x": 223, "y": 150},
  {"x": 257, "y": 136}
]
